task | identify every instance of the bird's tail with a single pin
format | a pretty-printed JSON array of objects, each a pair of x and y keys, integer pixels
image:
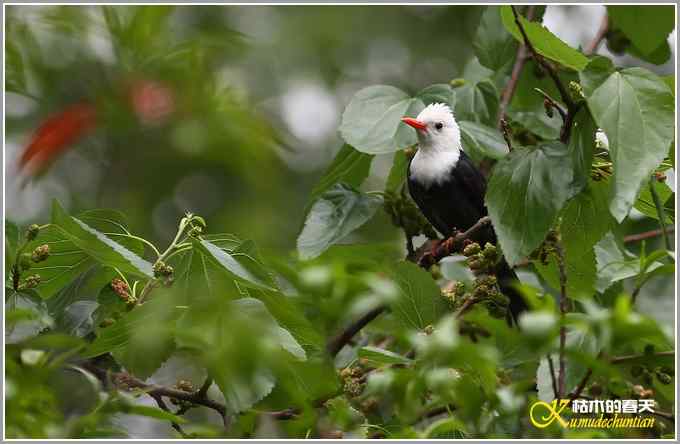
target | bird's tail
[{"x": 508, "y": 281}]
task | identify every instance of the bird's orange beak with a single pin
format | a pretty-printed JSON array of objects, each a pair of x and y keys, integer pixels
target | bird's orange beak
[{"x": 415, "y": 123}]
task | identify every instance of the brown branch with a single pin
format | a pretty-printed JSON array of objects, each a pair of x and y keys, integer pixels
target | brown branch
[
  {"x": 341, "y": 339},
  {"x": 561, "y": 376},
  {"x": 647, "y": 235},
  {"x": 162, "y": 405},
  {"x": 128, "y": 381},
  {"x": 591, "y": 48},
  {"x": 203, "y": 391},
  {"x": 572, "y": 107},
  {"x": 553, "y": 379},
  {"x": 581, "y": 385},
  {"x": 453, "y": 244},
  {"x": 520, "y": 60}
]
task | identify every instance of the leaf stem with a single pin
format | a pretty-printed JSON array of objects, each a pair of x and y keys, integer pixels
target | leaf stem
[
  {"x": 132, "y": 236},
  {"x": 660, "y": 213}
]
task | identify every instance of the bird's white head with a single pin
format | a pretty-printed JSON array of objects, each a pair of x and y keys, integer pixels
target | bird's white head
[{"x": 436, "y": 128}]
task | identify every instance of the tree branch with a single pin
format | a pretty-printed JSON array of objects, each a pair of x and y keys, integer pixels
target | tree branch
[
  {"x": 572, "y": 107},
  {"x": 162, "y": 405},
  {"x": 591, "y": 48},
  {"x": 341, "y": 339},
  {"x": 553, "y": 380},
  {"x": 561, "y": 376},
  {"x": 521, "y": 58},
  {"x": 128, "y": 381},
  {"x": 453, "y": 244},
  {"x": 646, "y": 235}
]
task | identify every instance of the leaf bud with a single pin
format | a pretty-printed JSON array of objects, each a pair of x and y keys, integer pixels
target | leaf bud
[
  {"x": 184, "y": 385},
  {"x": 457, "y": 83},
  {"x": 40, "y": 253},
  {"x": 32, "y": 231}
]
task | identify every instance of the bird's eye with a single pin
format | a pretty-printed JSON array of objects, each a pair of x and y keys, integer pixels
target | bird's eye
[{"x": 439, "y": 125}]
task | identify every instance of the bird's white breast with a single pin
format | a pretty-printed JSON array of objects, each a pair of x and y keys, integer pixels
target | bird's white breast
[{"x": 433, "y": 167}]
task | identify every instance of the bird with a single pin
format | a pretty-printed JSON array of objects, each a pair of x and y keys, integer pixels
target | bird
[{"x": 449, "y": 189}]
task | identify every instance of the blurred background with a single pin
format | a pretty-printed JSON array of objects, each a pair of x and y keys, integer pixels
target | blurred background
[{"x": 230, "y": 112}]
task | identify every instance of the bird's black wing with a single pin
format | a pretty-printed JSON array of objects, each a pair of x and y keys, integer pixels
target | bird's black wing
[{"x": 471, "y": 183}]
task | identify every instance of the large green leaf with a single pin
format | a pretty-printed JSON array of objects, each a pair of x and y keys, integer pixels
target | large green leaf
[
  {"x": 636, "y": 110},
  {"x": 381, "y": 356},
  {"x": 240, "y": 264},
  {"x": 438, "y": 93},
  {"x": 67, "y": 260},
  {"x": 580, "y": 147},
  {"x": 647, "y": 26},
  {"x": 98, "y": 245},
  {"x": 584, "y": 221},
  {"x": 419, "y": 302},
  {"x": 494, "y": 47},
  {"x": 372, "y": 123},
  {"x": 26, "y": 315},
  {"x": 338, "y": 212},
  {"x": 544, "y": 41},
  {"x": 477, "y": 102},
  {"x": 398, "y": 172},
  {"x": 526, "y": 191},
  {"x": 482, "y": 141},
  {"x": 349, "y": 166}
]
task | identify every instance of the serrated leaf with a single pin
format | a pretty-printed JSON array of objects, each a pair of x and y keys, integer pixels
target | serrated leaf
[
  {"x": 339, "y": 211},
  {"x": 477, "y": 102},
  {"x": 645, "y": 202},
  {"x": 544, "y": 41},
  {"x": 494, "y": 47},
  {"x": 527, "y": 189},
  {"x": 419, "y": 302},
  {"x": 349, "y": 166},
  {"x": 99, "y": 246},
  {"x": 381, "y": 356},
  {"x": 372, "y": 123},
  {"x": 647, "y": 26},
  {"x": 482, "y": 141}
]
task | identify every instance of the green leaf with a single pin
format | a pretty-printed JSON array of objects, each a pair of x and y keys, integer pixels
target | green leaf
[
  {"x": 614, "y": 263},
  {"x": 527, "y": 189},
  {"x": 596, "y": 73},
  {"x": 381, "y": 356},
  {"x": 636, "y": 110},
  {"x": 645, "y": 202},
  {"x": 580, "y": 146},
  {"x": 477, "y": 102},
  {"x": 584, "y": 221},
  {"x": 240, "y": 264},
  {"x": 372, "y": 123},
  {"x": 349, "y": 166},
  {"x": 494, "y": 47},
  {"x": 670, "y": 81},
  {"x": 647, "y": 26},
  {"x": 482, "y": 141},
  {"x": 84, "y": 287},
  {"x": 544, "y": 41},
  {"x": 658, "y": 57},
  {"x": 12, "y": 238},
  {"x": 26, "y": 314},
  {"x": 419, "y": 302},
  {"x": 397, "y": 175},
  {"x": 339, "y": 211},
  {"x": 99, "y": 246},
  {"x": 438, "y": 93},
  {"x": 152, "y": 412},
  {"x": 15, "y": 77}
]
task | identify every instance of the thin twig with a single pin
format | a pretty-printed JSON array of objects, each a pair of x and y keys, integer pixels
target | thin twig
[
  {"x": 581, "y": 385},
  {"x": 561, "y": 376},
  {"x": 553, "y": 379},
  {"x": 660, "y": 213},
  {"x": 520, "y": 60},
  {"x": 203, "y": 391},
  {"x": 591, "y": 48},
  {"x": 453, "y": 244},
  {"x": 162, "y": 405},
  {"x": 341, "y": 339},
  {"x": 646, "y": 235}
]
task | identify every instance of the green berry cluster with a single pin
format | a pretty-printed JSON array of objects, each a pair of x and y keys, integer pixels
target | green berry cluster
[
  {"x": 405, "y": 214},
  {"x": 481, "y": 260},
  {"x": 164, "y": 272},
  {"x": 351, "y": 381},
  {"x": 185, "y": 386}
]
